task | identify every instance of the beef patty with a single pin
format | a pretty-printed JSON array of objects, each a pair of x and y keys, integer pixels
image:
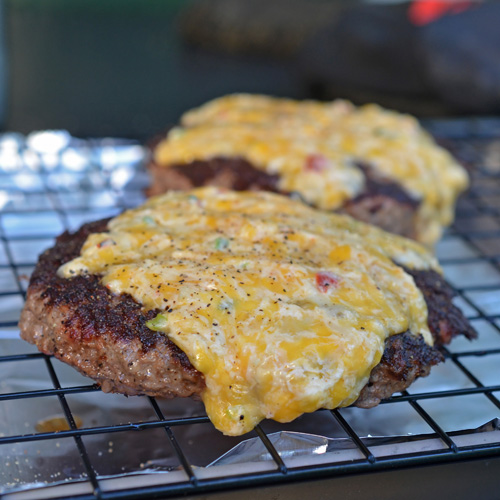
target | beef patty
[
  {"x": 105, "y": 336},
  {"x": 383, "y": 203}
]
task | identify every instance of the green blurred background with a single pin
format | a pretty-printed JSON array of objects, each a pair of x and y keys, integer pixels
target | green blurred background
[{"x": 118, "y": 67}]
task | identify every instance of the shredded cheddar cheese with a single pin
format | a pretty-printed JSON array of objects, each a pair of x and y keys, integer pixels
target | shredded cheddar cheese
[
  {"x": 281, "y": 136},
  {"x": 283, "y": 308}
]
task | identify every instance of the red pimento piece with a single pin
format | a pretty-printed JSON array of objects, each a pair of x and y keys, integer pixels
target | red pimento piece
[
  {"x": 326, "y": 280},
  {"x": 316, "y": 163}
]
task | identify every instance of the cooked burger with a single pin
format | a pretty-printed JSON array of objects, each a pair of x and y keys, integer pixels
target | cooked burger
[
  {"x": 379, "y": 166},
  {"x": 258, "y": 304}
]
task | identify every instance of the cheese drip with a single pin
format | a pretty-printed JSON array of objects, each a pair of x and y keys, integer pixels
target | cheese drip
[
  {"x": 314, "y": 148},
  {"x": 282, "y": 308}
]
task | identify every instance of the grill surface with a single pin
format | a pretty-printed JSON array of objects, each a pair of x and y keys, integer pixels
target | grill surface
[{"x": 50, "y": 182}]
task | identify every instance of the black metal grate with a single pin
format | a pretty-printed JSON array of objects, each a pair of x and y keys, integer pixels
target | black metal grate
[{"x": 51, "y": 182}]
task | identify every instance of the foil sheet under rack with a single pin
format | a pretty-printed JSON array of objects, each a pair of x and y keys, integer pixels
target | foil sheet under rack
[{"x": 112, "y": 446}]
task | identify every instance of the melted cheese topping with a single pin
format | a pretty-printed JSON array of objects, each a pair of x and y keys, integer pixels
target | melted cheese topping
[
  {"x": 282, "y": 308},
  {"x": 313, "y": 147}
]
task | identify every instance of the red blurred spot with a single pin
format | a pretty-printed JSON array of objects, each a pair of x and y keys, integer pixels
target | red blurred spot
[
  {"x": 316, "y": 163},
  {"x": 422, "y": 12},
  {"x": 325, "y": 281}
]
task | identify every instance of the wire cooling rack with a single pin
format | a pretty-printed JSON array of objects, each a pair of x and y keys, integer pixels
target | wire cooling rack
[{"x": 60, "y": 432}]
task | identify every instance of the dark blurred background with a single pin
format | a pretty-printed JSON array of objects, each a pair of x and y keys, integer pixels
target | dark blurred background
[{"x": 130, "y": 67}]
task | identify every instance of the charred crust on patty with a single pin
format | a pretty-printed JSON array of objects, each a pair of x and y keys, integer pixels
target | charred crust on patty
[
  {"x": 231, "y": 173},
  {"x": 445, "y": 319},
  {"x": 383, "y": 202},
  {"x": 376, "y": 184},
  {"x": 406, "y": 357}
]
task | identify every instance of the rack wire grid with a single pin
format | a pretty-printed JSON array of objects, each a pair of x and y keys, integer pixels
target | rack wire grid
[{"x": 50, "y": 181}]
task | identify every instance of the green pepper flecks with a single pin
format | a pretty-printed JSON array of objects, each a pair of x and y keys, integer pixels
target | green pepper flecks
[
  {"x": 158, "y": 323},
  {"x": 221, "y": 243},
  {"x": 148, "y": 220}
]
